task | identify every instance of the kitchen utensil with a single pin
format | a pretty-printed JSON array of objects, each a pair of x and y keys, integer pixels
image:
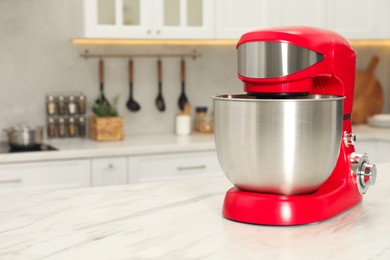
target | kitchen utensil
[
  {"x": 102, "y": 97},
  {"x": 24, "y": 136},
  {"x": 182, "y": 98},
  {"x": 160, "y": 104},
  {"x": 287, "y": 145},
  {"x": 369, "y": 97},
  {"x": 131, "y": 104}
]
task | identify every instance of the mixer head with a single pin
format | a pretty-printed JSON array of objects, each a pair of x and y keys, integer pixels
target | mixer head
[{"x": 295, "y": 61}]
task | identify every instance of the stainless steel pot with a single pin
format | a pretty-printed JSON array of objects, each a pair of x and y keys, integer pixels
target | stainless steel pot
[
  {"x": 24, "y": 136},
  {"x": 283, "y": 146}
]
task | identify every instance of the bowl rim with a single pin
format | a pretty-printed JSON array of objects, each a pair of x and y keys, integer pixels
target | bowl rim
[{"x": 252, "y": 98}]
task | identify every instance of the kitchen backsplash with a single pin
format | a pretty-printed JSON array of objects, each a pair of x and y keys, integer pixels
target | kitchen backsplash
[{"x": 37, "y": 57}]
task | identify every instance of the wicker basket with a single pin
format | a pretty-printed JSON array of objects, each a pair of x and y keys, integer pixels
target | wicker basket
[{"x": 106, "y": 128}]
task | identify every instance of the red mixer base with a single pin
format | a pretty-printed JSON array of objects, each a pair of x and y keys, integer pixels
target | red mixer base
[{"x": 282, "y": 210}]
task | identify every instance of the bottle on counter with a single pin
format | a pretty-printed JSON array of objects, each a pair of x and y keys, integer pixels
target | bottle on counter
[
  {"x": 203, "y": 122},
  {"x": 82, "y": 126},
  {"x": 61, "y": 127},
  {"x": 71, "y": 105},
  {"x": 82, "y": 104},
  {"x": 183, "y": 121},
  {"x": 61, "y": 105},
  {"x": 51, "y": 106},
  {"x": 51, "y": 127},
  {"x": 71, "y": 127}
]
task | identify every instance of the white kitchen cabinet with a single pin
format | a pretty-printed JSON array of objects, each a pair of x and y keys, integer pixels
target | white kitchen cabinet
[
  {"x": 354, "y": 19},
  {"x": 45, "y": 175},
  {"x": 296, "y": 12},
  {"x": 358, "y": 19},
  {"x": 109, "y": 171},
  {"x": 149, "y": 19},
  {"x": 234, "y": 18},
  {"x": 172, "y": 166}
]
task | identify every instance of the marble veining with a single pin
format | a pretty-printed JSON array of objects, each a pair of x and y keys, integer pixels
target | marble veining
[{"x": 180, "y": 220}]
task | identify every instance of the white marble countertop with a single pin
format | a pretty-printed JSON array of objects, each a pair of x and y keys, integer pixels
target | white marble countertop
[
  {"x": 180, "y": 220},
  {"x": 76, "y": 148}
]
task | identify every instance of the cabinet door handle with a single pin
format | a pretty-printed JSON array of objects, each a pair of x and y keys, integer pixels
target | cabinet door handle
[
  {"x": 110, "y": 166},
  {"x": 195, "y": 167},
  {"x": 10, "y": 181}
]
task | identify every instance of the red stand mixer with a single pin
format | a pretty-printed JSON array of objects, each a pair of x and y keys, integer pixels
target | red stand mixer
[{"x": 287, "y": 144}]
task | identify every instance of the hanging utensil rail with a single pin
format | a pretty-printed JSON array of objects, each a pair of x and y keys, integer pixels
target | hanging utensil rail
[{"x": 86, "y": 54}]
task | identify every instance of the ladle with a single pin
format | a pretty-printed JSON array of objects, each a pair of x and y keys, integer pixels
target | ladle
[
  {"x": 101, "y": 99},
  {"x": 183, "y": 98},
  {"x": 160, "y": 104},
  {"x": 131, "y": 104}
]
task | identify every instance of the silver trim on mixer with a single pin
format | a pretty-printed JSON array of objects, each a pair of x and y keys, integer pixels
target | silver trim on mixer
[
  {"x": 274, "y": 59},
  {"x": 364, "y": 171}
]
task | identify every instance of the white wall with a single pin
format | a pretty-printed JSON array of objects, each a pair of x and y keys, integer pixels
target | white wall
[{"x": 37, "y": 57}]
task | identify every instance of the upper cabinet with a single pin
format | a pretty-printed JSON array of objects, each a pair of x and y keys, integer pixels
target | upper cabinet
[
  {"x": 149, "y": 19},
  {"x": 229, "y": 19},
  {"x": 235, "y": 18},
  {"x": 359, "y": 19},
  {"x": 354, "y": 19}
]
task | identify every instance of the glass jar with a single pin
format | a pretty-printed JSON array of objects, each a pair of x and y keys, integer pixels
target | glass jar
[
  {"x": 71, "y": 127},
  {"x": 61, "y": 127},
  {"x": 51, "y": 106},
  {"x": 61, "y": 105},
  {"x": 82, "y": 104},
  {"x": 51, "y": 127},
  {"x": 71, "y": 105},
  {"x": 203, "y": 121},
  {"x": 82, "y": 126}
]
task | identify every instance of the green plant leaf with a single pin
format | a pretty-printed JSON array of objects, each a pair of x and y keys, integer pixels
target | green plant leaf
[{"x": 103, "y": 108}]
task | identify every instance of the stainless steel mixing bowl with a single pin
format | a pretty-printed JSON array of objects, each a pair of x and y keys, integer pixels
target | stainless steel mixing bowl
[{"x": 284, "y": 146}]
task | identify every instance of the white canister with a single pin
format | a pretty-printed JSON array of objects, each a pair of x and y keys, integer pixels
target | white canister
[{"x": 183, "y": 125}]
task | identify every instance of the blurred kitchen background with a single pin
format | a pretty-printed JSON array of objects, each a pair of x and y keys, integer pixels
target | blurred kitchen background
[{"x": 37, "y": 57}]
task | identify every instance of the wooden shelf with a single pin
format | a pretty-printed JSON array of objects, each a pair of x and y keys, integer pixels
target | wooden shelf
[
  {"x": 91, "y": 41},
  {"x": 87, "y": 54}
]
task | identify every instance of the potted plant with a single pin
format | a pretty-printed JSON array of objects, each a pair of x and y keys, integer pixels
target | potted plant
[{"x": 105, "y": 124}]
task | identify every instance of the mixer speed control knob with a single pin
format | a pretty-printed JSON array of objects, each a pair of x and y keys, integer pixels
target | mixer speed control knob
[
  {"x": 368, "y": 173},
  {"x": 365, "y": 171},
  {"x": 349, "y": 139}
]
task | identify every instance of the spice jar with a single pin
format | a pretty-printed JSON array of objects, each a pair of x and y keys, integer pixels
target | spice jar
[
  {"x": 71, "y": 127},
  {"x": 61, "y": 105},
  {"x": 82, "y": 126},
  {"x": 51, "y": 127},
  {"x": 203, "y": 122},
  {"x": 82, "y": 100},
  {"x": 72, "y": 107},
  {"x": 51, "y": 106},
  {"x": 61, "y": 127}
]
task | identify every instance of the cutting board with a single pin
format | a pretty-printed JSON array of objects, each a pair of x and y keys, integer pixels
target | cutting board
[{"x": 368, "y": 98}]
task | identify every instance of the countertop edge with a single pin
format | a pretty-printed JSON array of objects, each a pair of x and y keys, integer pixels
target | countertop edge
[{"x": 89, "y": 149}]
